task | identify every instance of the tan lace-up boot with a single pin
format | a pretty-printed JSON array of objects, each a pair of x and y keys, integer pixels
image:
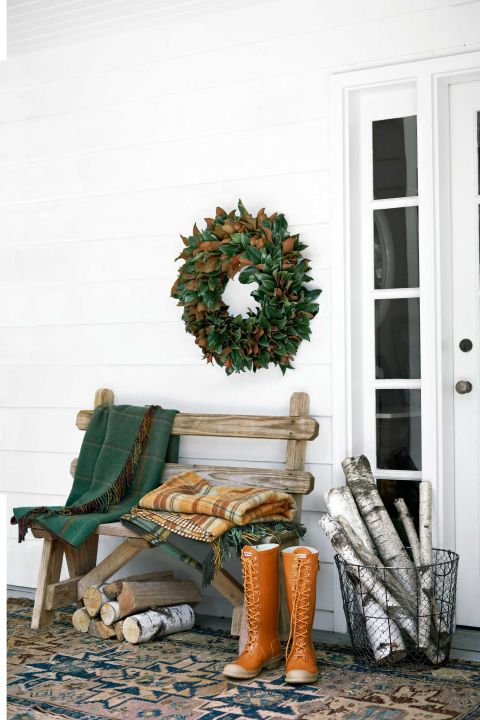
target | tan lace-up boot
[
  {"x": 300, "y": 565},
  {"x": 261, "y": 589}
]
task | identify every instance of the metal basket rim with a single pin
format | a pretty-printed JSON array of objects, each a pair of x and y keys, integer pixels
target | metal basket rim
[{"x": 454, "y": 558}]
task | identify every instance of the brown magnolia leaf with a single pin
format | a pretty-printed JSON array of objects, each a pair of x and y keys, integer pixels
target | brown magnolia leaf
[
  {"x": 220, "y": 211},
  {"x": 205, "y": 245},
  {"x": 228, "y": 228},
  {"x": 244, "y": 261},
  {"x": 268, "y": 233},
  {"x": 195, "y": 230},
  {"x": 273, "y": 217},
  {"x": 184, "y": 239},
  {"x": 208, "y": 266},
  {"x": 288, "y": 245},
  {"x": 278, "y": 292}
]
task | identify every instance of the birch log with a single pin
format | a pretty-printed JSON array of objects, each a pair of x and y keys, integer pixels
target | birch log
[
  {"x": 93, "y": 599},
  {"x": 339, "y": 501},
  {"x": 156, "y": 623},
  {"x": 385, "y": 575},
  {"x": 367, "y": 578},
  {"x": 425, "y": 569},
  {"x": 409, "y": 526},
  {"x": 375, "y": 516},
  {"x": 110, "y": 612},
  {"x": 81, "y": 620},
  {"x": 383, "y": 633},
  {"x": 414, "y": 542}
]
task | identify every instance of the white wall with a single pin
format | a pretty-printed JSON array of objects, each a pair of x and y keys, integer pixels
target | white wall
[{"x": 112, "y": 144}]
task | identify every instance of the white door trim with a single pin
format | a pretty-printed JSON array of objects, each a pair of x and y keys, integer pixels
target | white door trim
[{"x": 432, "y": 78}]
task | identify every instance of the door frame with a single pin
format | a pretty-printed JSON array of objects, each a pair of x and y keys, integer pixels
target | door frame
[{"x": 431, "y": 79}]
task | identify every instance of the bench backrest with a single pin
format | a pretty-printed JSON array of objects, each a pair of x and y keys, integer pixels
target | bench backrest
[{"x": 297, "y": 429}]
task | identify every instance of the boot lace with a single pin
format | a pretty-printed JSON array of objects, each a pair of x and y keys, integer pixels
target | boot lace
[
  {"x": 299, "y": 625},
  {"x": 252, "y": 602}
]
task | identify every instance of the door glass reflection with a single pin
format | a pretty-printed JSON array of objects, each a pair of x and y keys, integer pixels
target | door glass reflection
[
  {"x": 395, "y": 157},
  {"x": 397, "y": 338},
  {"x": 398, "y": 421},
  {"x": 396, "y": 248}
]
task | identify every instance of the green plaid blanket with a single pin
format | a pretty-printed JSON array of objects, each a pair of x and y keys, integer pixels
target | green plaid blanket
[{"x": 108, "y": 448}]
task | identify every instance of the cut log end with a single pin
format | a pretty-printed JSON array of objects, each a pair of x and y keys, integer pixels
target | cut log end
[
  {"x": 131, "y": 630},
  {"x": 110, "y": 612},
  {"x": 81, "y": 620},
  {"x": 93, "y": 599}
]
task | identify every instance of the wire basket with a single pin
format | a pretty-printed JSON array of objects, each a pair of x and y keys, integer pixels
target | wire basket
[{"x": 388, "y": 624}]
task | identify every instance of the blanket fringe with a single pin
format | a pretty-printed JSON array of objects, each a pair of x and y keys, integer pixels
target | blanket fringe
[
  {"x": 230, "y": 543},
  {"x": 115, "y": 493}
]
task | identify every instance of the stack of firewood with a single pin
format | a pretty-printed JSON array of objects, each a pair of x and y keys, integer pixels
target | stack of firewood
[
  {"x": 389, "y": 585},
  {"x": 137, "y": 608}
]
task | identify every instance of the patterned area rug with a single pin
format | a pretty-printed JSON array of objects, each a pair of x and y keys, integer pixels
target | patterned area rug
[{"x": 57, "y": 673}]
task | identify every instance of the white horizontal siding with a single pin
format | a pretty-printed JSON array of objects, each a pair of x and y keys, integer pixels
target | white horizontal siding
[{"x": 121, "y": 124}]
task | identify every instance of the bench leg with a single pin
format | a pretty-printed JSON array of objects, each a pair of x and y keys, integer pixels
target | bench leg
[
  {"x": 50, "y": 568},
  {"x": 81, "y": 560}
]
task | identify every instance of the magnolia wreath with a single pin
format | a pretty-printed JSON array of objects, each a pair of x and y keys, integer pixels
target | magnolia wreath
[{"x": 262, "y": 251}]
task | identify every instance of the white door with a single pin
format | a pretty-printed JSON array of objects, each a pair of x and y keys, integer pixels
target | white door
[{"x": 465, "y": 170}]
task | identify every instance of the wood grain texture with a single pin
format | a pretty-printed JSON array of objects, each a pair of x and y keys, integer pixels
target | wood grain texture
[
  {"x": 103, "y": 396},
  {"x": 98, "y": 629},
  {"x": 109, "y": 565},
  {"x": 114, "y": 588},
  {"x": 230, "y": 588},
  {"x": 81, "y": 620},
  {"x": 61, "y": 593},
  {"x": 144, "y": 595},
  {"x": 118, "y": 627},
  {"x": 269, "y": 427},
  {"x": 81, "y": 560},
  {"x": 50, "y": 567},
  {"x": 291, "y": 481}
]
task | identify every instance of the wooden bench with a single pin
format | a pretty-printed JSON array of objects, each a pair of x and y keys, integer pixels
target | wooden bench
[{"x": 297, "y": 429}]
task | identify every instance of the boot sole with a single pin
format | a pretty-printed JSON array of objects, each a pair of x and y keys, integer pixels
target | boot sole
[
  {"x": 237, "y": 672},
  {"x": 300, "y": 677}
]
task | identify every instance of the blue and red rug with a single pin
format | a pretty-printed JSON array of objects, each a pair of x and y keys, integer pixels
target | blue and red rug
[{"x": 58, "y": 673}]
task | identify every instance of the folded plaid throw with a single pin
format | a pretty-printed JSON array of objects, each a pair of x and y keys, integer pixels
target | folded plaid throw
[
  {"x": 219, "y": 518},
  {"x": 187, "y": 505}
]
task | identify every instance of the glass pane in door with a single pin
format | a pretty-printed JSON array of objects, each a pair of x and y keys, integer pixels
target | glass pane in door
[
  {"x": 389, "y": 491},
  {"x": 396, "y": 248},
  {"x": 395, "y": 157},
  {"x": 397, "y": 338},
  {"x": 398, "y": 429}
]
